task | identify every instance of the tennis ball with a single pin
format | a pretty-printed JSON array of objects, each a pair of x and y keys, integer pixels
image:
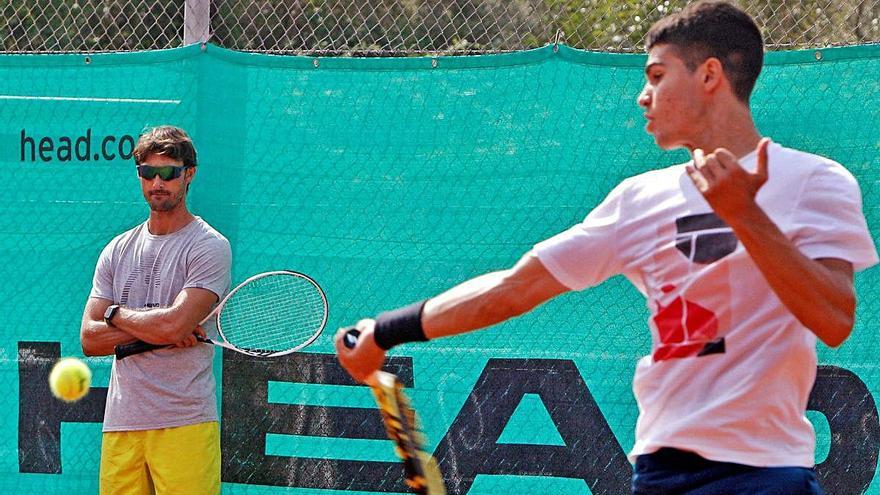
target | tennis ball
[{"x": 70, "y": 379}]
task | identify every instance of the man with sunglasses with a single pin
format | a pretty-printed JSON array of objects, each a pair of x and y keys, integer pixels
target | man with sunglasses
[{"x": 155, "y": 283}]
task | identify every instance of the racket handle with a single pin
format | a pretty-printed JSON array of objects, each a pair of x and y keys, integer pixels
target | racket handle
[
  {"x": 350, "y": 339},
  {"x": 125, "y": 350}
]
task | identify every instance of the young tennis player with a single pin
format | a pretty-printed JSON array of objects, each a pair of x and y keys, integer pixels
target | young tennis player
[{"x": 746, "y": 255}]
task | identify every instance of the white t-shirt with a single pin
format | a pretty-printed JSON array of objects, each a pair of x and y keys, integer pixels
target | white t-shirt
[{"x": 731, "y": 368}]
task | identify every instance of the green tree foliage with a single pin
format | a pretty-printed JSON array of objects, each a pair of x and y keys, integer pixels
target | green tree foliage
[
  {"x": 380, "y": 25},
  {"x": 90, "y": 25}
]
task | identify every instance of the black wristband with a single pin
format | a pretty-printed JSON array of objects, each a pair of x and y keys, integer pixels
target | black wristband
[{"x": 400, "y": 326}]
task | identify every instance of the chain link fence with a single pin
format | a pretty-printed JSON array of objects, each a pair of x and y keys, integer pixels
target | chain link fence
[{"x": 400, "y": 27}]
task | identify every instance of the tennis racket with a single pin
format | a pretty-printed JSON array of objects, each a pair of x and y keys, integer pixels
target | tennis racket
[
  {"x": 269, "y": 314},
  {"x": 422, "y": 473}
]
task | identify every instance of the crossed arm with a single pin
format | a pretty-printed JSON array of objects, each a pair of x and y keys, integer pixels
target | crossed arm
[{"x": 174, "y": 325}]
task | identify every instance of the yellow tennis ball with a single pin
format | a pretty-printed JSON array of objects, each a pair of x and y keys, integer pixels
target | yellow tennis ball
[{"x": 70, "y": 379}]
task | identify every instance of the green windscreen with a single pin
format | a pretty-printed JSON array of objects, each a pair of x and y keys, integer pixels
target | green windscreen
[{"x": 388, "y": 181}]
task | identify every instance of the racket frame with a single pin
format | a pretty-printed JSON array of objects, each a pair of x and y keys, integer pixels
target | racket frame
[
  {"x": 262, "y": 352},
  {"x": 422, "y": 474}
]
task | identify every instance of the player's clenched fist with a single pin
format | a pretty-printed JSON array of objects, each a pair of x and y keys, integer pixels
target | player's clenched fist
[
  {"x": 725, "y": 184},
  {"x": 360, "y": 356}
]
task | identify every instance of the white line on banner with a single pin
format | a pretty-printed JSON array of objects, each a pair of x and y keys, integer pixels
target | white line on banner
[{"x": 101, "y": 100}]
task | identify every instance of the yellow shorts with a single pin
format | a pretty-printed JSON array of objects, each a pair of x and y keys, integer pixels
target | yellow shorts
[{"x": 183, "y": 460}]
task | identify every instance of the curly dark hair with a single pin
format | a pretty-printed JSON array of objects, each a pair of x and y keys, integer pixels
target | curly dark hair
[{"x": 717, "y": 29}]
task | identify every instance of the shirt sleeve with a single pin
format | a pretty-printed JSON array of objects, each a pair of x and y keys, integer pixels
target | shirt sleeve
[
  {"x": 209, "y": 266},
  {"x": 102, "y": 281},
  {"x": 829, "y": 222},
  {"x": 586, "y": 254}
]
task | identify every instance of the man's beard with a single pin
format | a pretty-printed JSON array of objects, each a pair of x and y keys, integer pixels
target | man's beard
[{"x": 165, "y": 202}]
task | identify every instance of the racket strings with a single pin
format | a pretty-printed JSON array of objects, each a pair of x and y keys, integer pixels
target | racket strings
[{"x": 277, "y": 312}]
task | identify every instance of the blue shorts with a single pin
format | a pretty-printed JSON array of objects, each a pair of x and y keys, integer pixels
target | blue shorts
[{"x": 677, "y": 472}]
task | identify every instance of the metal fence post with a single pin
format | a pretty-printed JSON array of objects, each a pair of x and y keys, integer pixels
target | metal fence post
[{"x": 196, "y": 21}]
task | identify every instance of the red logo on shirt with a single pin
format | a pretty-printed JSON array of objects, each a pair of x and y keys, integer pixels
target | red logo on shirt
[{"x": 686, "y": 329}]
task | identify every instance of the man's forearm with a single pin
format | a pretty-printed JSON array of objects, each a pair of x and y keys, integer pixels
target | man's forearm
[
  {"x": 490, "y": 299},
  {"x": 155, "y": 325},
  {"x": 477, "y": 303},
  {"x": 821, "y": 299},
  {"x": 100, "y": 340}
]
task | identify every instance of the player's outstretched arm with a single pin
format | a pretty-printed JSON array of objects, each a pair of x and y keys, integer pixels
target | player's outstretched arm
[
  {"x": 491, "y": 299},
  {"x": 477, "y": 303}
]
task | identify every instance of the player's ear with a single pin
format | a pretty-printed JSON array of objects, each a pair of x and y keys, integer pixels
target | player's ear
[
  {"x": 189, "y": 173},
  {"x": 711, "y": 74}
]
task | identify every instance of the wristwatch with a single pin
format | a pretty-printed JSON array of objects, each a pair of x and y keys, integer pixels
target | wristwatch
[{"x": 110, "y": 313}]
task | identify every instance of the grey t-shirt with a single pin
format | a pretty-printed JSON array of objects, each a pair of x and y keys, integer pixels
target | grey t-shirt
[{"x": 166, "y": 387}]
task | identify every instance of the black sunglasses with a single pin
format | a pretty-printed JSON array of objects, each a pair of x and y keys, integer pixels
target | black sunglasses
[{"x": 168, "y": 172}]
